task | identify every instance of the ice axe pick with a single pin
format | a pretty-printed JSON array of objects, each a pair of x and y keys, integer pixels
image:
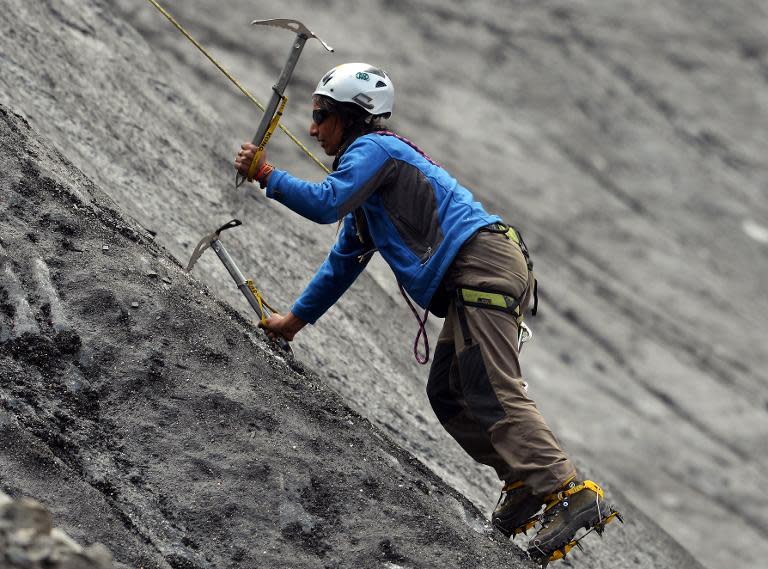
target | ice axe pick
[{"x": 274, "y": 109}]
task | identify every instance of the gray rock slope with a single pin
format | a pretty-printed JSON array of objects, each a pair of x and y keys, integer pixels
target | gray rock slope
[
  {"x": 150, "y": 416},
  {"x": 146, "y": 414},
  {"x": 624, "y": 139}
]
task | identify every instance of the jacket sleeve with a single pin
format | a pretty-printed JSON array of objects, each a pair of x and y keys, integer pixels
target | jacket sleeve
[
  {"x": 361, "y": 171},
  {"x": 335, "y": 275}
]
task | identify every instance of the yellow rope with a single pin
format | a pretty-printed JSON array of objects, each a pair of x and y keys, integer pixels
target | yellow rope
[{"x": 237, "y": 84}]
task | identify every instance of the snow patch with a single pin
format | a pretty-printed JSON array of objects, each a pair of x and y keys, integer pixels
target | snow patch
[
  {"x": 756, "y": 231},
  {"x": 23, "y": 319},
  {"x": 290, "y": 512},
  {"x": 43, "y": 277},
  {"x": 475, "y": 524}
]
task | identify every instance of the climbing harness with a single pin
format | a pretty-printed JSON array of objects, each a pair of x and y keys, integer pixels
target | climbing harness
[
  {"x": 524, "y": 335},
  {"x": 495, "y": 300},
  {"x": 474, "y": 297},
  {"x": 483, "y": 298},
  {"x": 246, "y": 286},
  {"x": 303, "y": 34},
  {"x": 466, "y": 296},
  {"x": 514, "y": 235}
]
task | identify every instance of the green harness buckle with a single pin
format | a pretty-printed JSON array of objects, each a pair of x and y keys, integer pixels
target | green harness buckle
[{"x": 489, "y": 299}]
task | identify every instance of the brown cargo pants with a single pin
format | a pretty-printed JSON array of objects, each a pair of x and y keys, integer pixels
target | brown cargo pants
[{"x": 476, "y": 389}]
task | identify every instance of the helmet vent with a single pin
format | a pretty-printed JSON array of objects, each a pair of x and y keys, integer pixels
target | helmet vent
[
  {"x": 328, "y": 76},
  {"x": 380, "y": 84},
  {"x": 376, "y": 71}
]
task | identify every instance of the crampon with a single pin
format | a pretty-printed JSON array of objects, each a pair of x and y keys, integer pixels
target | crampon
[
  {"x": 563, "y": 552},
  {"x": 572, "y": 517}
]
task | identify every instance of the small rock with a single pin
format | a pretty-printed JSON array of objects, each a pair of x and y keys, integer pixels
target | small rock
[
  {"x": 27, "y": 541},
  {"x": 152, "y": 275},
  {"x": 134, "y": 305},
  {"x": 105, "y": 247},
  {"x": 28, "y": 514},
  {"x": 4, "y": 499},
  {"x": 99, "y": 554},
  {"x": 61, "y": 538},
  {"x": 37, "y": 551}
]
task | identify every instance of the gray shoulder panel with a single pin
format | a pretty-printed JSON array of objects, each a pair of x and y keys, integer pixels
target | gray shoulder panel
[{"x": 381, "y": 179}]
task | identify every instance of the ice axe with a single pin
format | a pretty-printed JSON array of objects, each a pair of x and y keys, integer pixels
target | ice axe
[
  {"x": 246, "y": 286},
  {"x": 274, "y": 109}
]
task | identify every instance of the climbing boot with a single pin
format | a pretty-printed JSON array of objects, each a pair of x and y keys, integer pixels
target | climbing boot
[
  {"x": 576, "y": 505},
  {"x": 516, "y": 509}
]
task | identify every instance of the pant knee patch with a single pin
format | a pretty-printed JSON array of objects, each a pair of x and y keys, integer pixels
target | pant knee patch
[
  {"x": 478, "y": 391},
  {"x": 439, "y": 393}
]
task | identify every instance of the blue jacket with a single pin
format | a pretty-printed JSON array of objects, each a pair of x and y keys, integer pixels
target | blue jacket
[{"x": 391, "y": 197}]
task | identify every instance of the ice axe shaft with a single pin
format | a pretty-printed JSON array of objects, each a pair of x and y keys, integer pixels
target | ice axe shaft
[
  {"x": 278, "y": 90},
  {"x": 242, "y": 283}
]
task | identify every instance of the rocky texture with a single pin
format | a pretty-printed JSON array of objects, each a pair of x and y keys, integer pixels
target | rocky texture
[
  {"x": 28, "y": 540},
  {"x": 620, "y": 137},
  {"x": 179, "y": 445}
]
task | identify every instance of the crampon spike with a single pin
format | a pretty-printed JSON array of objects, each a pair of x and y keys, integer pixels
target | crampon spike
[
  {"x": 525, "y": 527},
  {"x": 561, "y": 553}
]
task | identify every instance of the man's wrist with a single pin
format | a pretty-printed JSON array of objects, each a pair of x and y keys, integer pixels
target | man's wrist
[{"x": 293, "y": 322}]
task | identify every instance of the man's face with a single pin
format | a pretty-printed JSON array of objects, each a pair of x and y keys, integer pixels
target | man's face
[{"x": 329, "y": 130}]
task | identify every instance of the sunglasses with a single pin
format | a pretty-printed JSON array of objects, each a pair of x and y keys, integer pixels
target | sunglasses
[{"x": 319, "y": 115}]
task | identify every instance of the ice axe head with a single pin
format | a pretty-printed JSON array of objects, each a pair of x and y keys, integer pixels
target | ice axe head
[
  {"x": 206, "y": 241},
  {"x": 292, "y": 25}
]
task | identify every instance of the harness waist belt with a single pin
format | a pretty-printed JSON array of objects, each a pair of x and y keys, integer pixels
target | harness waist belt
[{"x": 488, "y": 299}]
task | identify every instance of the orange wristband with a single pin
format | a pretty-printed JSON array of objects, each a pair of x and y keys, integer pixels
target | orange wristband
[{"x": 265, "y": 170}]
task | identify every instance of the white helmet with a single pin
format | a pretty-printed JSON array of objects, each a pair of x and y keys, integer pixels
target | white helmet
[{"x": 365, "y": 85}]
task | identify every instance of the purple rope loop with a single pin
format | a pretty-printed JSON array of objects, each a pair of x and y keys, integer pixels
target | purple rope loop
[
  {"x": 422, "y": 330},
  {"x": 409, "y": 143}
]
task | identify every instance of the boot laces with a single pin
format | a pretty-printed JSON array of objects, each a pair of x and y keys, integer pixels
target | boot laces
[
  {"x": 548, "y": 515},
  {"x": 561, "y": 504}
]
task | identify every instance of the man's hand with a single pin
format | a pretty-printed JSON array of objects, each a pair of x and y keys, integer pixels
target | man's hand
[
  {"x": 245, "y": 157},
  {"x": 286, "y": 326}
]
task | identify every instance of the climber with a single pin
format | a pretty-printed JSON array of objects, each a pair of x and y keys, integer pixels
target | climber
[{"x": 454, "y": 259}]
